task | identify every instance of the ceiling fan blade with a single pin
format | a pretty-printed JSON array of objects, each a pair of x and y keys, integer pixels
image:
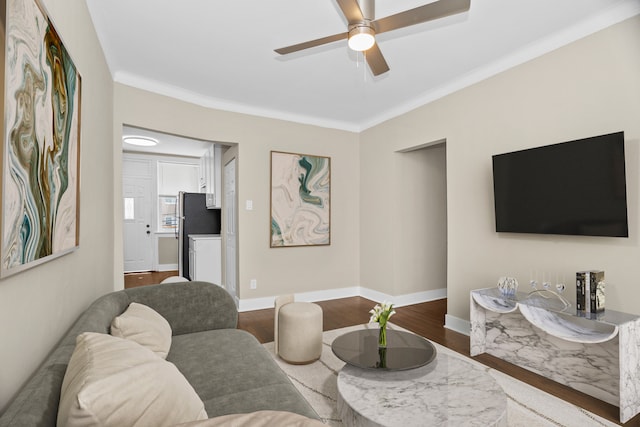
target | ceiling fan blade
[
  {"x": 312, "y": 43},
  {"x": 428, "y": 12},
  {"x": 351, "y": 11},
  {"x": 376, "y": 61}
]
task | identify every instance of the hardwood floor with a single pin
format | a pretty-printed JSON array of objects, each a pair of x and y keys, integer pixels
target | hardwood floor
[
  {"x": 427, "y": 320},
  {"x": 132, "y": 280}
]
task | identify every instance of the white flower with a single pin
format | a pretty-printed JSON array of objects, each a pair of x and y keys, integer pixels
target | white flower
[{"x": 381, "y": 314}]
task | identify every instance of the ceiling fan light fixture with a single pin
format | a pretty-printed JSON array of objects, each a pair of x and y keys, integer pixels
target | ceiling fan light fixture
[
  {"x": 361, "y": 38},
  {"x": 141, "y": 141}
]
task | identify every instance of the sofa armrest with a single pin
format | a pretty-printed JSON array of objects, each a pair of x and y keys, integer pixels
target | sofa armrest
[{"x": 189, "y": 306}]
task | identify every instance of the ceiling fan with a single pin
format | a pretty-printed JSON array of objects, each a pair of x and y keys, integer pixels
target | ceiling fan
[{"x": 363, "y": 27}]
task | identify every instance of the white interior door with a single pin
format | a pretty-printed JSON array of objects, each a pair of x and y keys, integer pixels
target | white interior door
[
  {"x": 138, "y": 236},
  {"x": 231, "y": 235}
]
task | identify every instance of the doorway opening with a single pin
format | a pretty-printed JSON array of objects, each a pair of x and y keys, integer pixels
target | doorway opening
[
  {"x": 422, "y": 220},
  {"x": 153, "y": 178}
]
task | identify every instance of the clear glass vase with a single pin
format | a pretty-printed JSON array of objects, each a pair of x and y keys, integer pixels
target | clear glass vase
[
  {"x": 382, "y": 356},
  {"x": 382, "y": 337}
]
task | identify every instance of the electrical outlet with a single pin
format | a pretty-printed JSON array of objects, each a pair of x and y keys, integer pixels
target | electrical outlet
[
  {"x": 249, "y": 205},
  {"x": 253, "y": 284}
]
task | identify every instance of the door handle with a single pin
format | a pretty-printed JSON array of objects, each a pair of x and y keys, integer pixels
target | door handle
[{"x": 148, "y": 232}]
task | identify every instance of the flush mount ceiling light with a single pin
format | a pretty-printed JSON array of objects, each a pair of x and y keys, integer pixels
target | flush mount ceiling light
[
  {"x": 361, "y": 38},
  {"x": 141, "y": 141}
]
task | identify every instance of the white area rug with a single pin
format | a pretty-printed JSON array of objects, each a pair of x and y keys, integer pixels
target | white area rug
[{"x": 526, "y": 405}]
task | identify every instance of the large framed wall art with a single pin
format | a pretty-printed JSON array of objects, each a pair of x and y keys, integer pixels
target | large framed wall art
[
  {"x": 41, "y": 140},
  {"x": 300, "y": 200}
]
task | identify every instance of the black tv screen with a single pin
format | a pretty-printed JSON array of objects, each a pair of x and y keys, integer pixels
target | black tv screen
[{"x": 572, "y": 188}]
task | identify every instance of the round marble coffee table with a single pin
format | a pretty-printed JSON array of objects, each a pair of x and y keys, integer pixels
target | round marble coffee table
[{"x": 447, "y": 392}]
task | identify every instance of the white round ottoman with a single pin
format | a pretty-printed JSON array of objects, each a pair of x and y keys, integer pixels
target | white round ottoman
[
  {"x": 300, "y": 332},
  {"x": 174, "y": 279}
]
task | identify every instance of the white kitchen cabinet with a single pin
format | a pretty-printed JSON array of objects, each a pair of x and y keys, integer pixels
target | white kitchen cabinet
[
  {"x": 202, "y": 174},
  {"x": 211, "y": 176},
  {"x": 205, "y": 258}
]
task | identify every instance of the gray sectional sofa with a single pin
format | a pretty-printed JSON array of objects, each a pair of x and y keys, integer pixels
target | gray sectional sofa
[{"x": 228, "y": 368}]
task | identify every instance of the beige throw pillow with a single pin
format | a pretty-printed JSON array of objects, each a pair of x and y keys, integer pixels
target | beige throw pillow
[
  {"x": 145, "y": 326},
  {"x": 258, "y": 419},
  {"x": 115, "y": 382}
]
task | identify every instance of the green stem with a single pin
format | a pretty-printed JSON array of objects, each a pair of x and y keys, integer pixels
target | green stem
[{"x": 382, "y": 337}]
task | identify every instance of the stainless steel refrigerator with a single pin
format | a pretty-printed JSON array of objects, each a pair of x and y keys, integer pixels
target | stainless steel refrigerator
[{"x": 194, "y": 218}]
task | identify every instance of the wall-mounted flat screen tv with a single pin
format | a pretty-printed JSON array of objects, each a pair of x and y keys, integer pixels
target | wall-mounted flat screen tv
[{"x": 571, "y": 188}]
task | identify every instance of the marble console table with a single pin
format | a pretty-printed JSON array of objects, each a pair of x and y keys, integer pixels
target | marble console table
[{"x": 597, "y": 354}]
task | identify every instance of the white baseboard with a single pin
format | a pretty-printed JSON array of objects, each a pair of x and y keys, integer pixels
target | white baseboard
[
  {"x": 167, "y": 267},
  {"x": 267, "y": 302},
  {"x": 255, "y": 304},
  {"x": 398, "y": 301},
  {"x": 456, "y": 324},
  {"x": 418, "y": 297}
]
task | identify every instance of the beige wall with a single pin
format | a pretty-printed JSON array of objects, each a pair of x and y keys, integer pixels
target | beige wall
[
  {"x": 167, "y": 250},
  {"x": 587, "y": 88},
  {"x": 277, "y": 271},
  {"x": 37, "y": 306}
]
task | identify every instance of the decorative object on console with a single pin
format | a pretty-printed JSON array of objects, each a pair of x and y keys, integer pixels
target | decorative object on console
[
  {"x": 300, "y": 200},
  {"x": 546, "y": 297},
  {"x": 590, "y": 288},
  {"x": 381, "y": 315},
  {"x": 560, "y": 285},
  {"x": 41, "y": 145},
  {"x": 508, "y": 286}
]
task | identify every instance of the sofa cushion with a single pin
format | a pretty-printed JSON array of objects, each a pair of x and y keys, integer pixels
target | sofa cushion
[
  {"x": 145, "y": 326},
  {"x": 189, "y": 306},
  {"x": 114, "y": 382},
  {"x": 246, "y": 377}
]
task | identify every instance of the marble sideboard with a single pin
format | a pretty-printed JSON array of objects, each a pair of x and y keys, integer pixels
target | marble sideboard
[{"x": 597, "y": 354}]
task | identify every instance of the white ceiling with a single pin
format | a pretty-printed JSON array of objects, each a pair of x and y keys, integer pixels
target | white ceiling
[{"x": 220, "y": 53}]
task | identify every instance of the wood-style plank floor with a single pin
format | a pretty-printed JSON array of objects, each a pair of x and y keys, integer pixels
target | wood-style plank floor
[
  {"x": 427, "y": 320},
  {"x": 132, "y": 280}
]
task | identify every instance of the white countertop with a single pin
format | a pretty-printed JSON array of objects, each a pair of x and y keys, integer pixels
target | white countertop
[{"x": 204, "y": 236}]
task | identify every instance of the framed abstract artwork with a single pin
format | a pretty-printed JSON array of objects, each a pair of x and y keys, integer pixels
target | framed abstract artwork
[
  {"x": 41, "y": 141},
  {"x": 300, "y": 200}
]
